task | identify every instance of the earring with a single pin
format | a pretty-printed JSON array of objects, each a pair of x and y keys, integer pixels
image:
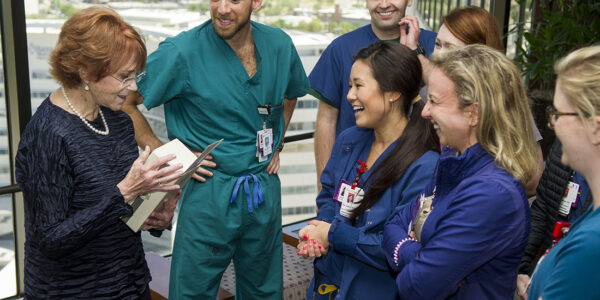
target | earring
[
  {"x": 391, "y": 100},
  {"x": 86, "y": 87}
]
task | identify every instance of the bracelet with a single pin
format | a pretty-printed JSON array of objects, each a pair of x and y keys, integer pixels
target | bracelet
[
  {"x": 419, "y": 50},
  {"x": 280, "y": 147},
  {"x": 398, "y": 248}
]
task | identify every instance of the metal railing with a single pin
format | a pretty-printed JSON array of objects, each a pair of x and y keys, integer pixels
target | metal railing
[{"x": 14, "y": 188}]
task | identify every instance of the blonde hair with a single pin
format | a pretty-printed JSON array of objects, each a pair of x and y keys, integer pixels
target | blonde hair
[
  {"x": 487, "y": 77},
  {"x": 579, "y": 80},
  {"x": 96, "y": 40}
]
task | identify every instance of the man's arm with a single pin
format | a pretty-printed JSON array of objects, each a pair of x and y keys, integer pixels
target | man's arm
[
  {"x": 327, "y": 116},
  {"x": 288, "y": 110},
  {"x": 411, "y": 40},
  {"x": 144, "y": 135},
  {"x": 427, "y": 67}
]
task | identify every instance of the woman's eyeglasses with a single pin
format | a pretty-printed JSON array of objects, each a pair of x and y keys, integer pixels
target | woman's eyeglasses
[
  {"x": 128, "y": 81},
  {"x": 552, "y": 115}
]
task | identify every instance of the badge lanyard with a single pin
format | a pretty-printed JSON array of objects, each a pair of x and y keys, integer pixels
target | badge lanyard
[
  {"x": 360, "y": 169},
  {"x": 264, "y": 137},
  {"x": 349, "y": 196},
  {"x": 344, "y": 187}
]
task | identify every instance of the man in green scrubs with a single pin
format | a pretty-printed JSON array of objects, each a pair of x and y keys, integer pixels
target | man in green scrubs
[{"x": 227, "y": 78}]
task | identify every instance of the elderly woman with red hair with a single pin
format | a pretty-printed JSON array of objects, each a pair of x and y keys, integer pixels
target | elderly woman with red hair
[{"x": 78, "y": 166}]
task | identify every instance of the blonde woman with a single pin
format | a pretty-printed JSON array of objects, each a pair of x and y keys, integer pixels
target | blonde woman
[
  {"x": 467, "y": 26},
  {"x": 570, "y": 270},
  {"x": 465, "y": 236}
]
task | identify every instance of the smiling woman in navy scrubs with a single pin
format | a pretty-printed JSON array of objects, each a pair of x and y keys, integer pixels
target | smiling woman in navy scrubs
[{"x": 381, "y": 165}]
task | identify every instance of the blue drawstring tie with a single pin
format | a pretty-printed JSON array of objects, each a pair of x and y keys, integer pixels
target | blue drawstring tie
[{"x": 258, "y": 197}]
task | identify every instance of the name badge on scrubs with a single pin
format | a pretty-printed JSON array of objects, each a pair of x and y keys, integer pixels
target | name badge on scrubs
[
  {"x": 349, "y": 197},
  {"x": 569, "y": 199},
  {"x": 264, "y": 137},
  {"x": 264, "y": 144},
  {"x": 340, "y": 192},
  {"x": 351, "y": 201}
]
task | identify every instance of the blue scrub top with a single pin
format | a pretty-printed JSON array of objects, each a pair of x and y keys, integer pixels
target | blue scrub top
[
  {"x": 208, "y": 94},
  {"x": 356, "y": 263},
  {"x": 473, "y": 239},
  {"x": 331, "y": 74}
]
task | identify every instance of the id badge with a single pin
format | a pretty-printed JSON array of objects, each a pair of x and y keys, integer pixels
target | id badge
[
  {"x": 267, "y": 142},
  {"x": 352, "y": 200},
  {"x": 569, "y": 199},
  {"x": 351, "y": 195},
  {"x": 340, "y": 193},
  {"x": 260, "y": 147}
]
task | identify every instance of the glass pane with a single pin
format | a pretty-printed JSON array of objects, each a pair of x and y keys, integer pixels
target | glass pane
[{"x": 8, "y": 275}]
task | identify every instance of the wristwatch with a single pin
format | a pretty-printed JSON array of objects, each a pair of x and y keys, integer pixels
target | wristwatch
[
  {"x": 419, "y": 50},
  {"x": 280, "y": 147}
]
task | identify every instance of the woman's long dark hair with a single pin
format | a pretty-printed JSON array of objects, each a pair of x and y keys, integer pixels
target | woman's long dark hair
[{"x": 397, "y": 69}]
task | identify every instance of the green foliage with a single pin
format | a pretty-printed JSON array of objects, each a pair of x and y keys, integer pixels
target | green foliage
[
  {"x": 65, "y": 9},
  {"x": 279, "y": 7},
  {"x": 270, "y": 9},
  {"x": 198, "y": 7},
  {"x": 342, "y": 27},
  {"x": 280, "y": 23},
  {"x": 288, "y": 4},
  {"x": 313, "y": 26},
  {"x": 564, "y": 26},
  {"x": 68, "y": 10}
]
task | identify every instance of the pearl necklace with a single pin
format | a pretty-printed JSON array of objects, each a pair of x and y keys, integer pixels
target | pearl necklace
[{"x": 83, "y": 119}]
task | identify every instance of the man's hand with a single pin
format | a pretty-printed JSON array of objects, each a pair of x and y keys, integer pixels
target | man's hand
[
  {"x": 161, "y": 218},
  {"x": 410, "y": 39},
  {"x": 207, "y": 162},
  {"x": 273, "y": 166}
]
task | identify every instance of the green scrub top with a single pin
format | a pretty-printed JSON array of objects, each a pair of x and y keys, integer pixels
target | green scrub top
[{"x": 208, "y": 95}]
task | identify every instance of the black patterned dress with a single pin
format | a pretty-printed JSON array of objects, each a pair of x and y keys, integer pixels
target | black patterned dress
[{"x": 76, "y": 245}]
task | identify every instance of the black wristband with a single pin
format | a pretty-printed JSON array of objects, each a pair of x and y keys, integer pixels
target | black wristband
[
  {"x": 280, "y": 147},
  {"x": 419, "y": 50}
]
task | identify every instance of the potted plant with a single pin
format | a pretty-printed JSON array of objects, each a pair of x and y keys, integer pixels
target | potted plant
[{"x": 556, "y": 28}]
